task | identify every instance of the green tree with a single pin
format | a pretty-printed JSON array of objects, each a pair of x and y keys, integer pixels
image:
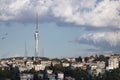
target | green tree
[
  {"x": 56, "y": 59},
  {"x": 102, "y": 58},
  {"x": 58, "y": 67},
  {"x": 86, "y": 59},
  {"x": 79, "y": 59},
  {"x": 8, "y": 74}
]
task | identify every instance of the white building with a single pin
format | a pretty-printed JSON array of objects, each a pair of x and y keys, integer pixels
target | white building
[
  {"x": 46, "y": 63},
  {"x": 71, "y": 59},
  {"x": 26, "y": 76},
  {"x": 113, "y": 62},
  {"x": 65, "y": 64},
  {"x": 39, "y": 67},
  {"x": 22, "y": 68},
  {"x": 100, "y": 64},
  {"x": 75, "y": 65},
  {"x": 60, "y": 76},
  {"x": 29, "y": 65}
]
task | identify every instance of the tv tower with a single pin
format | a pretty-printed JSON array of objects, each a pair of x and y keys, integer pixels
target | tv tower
[
  {"x": 36, "y": 39},
  {"x": 25, "y": 51}
]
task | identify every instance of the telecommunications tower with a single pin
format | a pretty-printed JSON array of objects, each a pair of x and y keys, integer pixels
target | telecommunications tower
[
  {"x": 36, "y": 39},
  {"x": 25, "y": 51}
]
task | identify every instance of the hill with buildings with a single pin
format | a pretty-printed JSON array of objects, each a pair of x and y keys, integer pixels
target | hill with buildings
[{"x": 97, "y": 67}]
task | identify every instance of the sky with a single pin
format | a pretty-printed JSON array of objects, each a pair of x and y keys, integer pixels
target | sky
[{"x": 67, "y": 28}]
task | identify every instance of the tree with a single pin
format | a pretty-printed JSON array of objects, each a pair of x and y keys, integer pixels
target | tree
[
  {"x": 86, "y": 59},
  {"x": 96, "y": 58},
  {"x": 110, "y": 75},
  {"x": 45, "y": 59},
  {"x": 58, "y": 67},
  {"x": 79, "y": 59},
  {"x": 8, "y": 74},
  {"x": 101, "y": 58},
  {"x": 56, "y": 59}
]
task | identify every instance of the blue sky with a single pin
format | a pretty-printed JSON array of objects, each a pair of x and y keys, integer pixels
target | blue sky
[
  {"x": 56, "y": 41},
  {"x": 67, "y": 28}
]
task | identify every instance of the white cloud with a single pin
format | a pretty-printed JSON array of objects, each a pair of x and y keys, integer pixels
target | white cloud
[
  {"x": 111, "y": 38},
  {"x": 105, "y": 13},
  {"x": 106, "y": 41}
]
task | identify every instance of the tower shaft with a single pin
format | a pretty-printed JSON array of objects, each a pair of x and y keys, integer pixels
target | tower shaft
[
  {"x": 36, "y": 39},
  {"x": 36, "y": 43}
]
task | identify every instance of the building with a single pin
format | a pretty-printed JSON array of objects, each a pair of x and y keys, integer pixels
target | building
[
  {"x": 113, "y": 62},
  {"x": 101, "y": 64},
  {"x": 39, "y": 67},
  {"x": 65, "y": 64},
  {"x": 60, "y": 76},
  {"x": 26, "y": 76}
]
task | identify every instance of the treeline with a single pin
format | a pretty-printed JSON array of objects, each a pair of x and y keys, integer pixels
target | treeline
[{"x": 9, "y": 75}]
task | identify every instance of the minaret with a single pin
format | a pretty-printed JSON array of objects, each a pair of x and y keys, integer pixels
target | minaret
[{"x": 36, "y": 39}]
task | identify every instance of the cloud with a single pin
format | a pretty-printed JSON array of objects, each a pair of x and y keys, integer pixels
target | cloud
[
  {"x": 104, "y": 41},
  {"x": 95, "y": 13}
]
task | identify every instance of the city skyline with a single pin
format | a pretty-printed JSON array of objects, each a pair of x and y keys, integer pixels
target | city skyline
[{"x": 68, "y": 28}]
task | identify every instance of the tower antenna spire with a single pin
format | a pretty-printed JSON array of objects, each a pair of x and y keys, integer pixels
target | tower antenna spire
[{"x": 36, "y": 21}]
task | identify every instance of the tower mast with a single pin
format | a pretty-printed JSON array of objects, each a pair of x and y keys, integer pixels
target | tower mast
[
  {"x": 36, "y": 22},
  {"x": 25, "y": 50}
]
